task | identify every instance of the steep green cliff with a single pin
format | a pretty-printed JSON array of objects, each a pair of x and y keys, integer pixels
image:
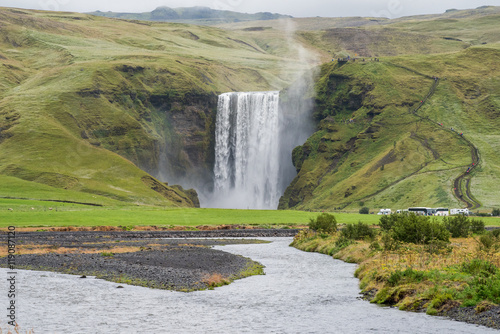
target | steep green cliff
[{"x": 380, "y": 141}]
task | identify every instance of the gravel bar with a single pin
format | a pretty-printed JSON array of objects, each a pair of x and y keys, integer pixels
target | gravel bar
[{"x": 176, "y": 260}]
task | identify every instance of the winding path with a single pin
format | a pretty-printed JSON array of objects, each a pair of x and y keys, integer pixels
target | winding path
[{"x": 462, "y": 182}]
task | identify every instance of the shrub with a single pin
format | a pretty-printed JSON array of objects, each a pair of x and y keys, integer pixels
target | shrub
[
  {"x": 408, "y": 276},
  {"x": 480, "y": 289},
  {"x": 364, "y": 210},
  {"x": 418, "y": 230},
  {"x": 107, "y": 254},
  {"x": 357, "y": 231},
  {"x": 458, "y": 226},
  {"x": 489, "y": 242},
  {"x": 496, "y": 232},
  {"x": 438, "y": 247},
  {"x": 325, "y": 222},
  {"x": 389, "y": 243},
  {"x": 479, "y": 267},
  {"x": 477, "y": 226},
  {"x": 495, "y": 212},
  {"x": 375, "y": 246},
  {"x": 485, "y": 284},
  {"x": 343, "y": 242},
  {"x": 386, "y": 222},
  {"x": 215, "y": 280}
]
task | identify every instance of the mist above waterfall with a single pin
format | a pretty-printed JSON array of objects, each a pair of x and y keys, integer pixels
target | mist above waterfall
[{"x": 248, "y": 162}]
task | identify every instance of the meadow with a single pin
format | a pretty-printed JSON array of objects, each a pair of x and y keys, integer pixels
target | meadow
[{"x": 44, "y": 214}]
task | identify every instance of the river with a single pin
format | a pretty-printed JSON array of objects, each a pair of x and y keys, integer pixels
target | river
[{"x": 300, "y": 293}]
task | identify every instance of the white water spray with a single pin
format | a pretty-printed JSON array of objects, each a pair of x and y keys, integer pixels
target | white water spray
[{"x": 247, "y": 148}]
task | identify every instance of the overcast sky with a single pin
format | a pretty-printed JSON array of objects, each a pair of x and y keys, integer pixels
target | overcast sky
[{"x": 297, "y": 8}]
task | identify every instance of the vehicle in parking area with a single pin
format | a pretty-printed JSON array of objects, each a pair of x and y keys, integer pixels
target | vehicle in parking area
[
  {"x": 384, "y": 212},
  {"x": 464, "y": 212}
]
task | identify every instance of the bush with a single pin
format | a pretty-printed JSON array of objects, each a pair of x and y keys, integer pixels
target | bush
[
  {"x": 481, "y": 289},
  {"x": 486, "y": 242},
  {"x": 481, "y": 214},
  {"x": 408, "y": 276},
  {"x": 479, "y": 267},
  {"x": 477, "y": 226},
  {"x": 386, "y": 222},
  {"x": 418, "y": 229},
  {"x": 357, "y": 231},
  {"x": 389, "y": 243},
  {"x": 343, "y": 242},
  {"x": 458, "y": 226},
  {"x": 364, "y": 210},
  {"x": 325, "y": 222},
  {"x": 496, "y": 232},
  {"x": 495, "y": 212},
  {"x": 438, "y": 247}
]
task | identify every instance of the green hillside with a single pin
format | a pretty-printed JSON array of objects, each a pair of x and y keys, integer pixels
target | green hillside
[
  {"x": 92, "y": 107},
  {"x": 452, "y": 31},
  {"x": 396, "y": 154},
  {"x": 392, "y": 155},
  {"x": 99, "y": 110}
]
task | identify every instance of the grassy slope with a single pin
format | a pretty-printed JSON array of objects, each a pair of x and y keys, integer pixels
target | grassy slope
[
  {"x": 393, "y": 152},
  {"x": 388, "y": 154},
  {"x": 77, "y": 87},
  {"x": 424, "y": 34}
]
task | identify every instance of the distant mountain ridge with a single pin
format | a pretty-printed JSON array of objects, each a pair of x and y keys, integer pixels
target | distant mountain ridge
[{"x": 190, "y": 14}]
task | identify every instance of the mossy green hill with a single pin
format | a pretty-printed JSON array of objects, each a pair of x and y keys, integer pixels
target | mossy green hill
[
  {"x": 98, "y": 110},
  {"x": 398, "y": 132},
  {"x": 95, "y": 106}
]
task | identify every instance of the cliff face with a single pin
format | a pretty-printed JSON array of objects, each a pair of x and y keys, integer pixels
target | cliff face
[
  {"x": 164, "y": 132},
  {"x": 186, "y": 127}
]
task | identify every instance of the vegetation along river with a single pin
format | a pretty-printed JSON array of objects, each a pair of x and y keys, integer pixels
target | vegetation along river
[{"x": 300, "y": 293}]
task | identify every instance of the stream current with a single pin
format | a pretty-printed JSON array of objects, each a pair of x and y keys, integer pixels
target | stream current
[{"x": 300, "y": 293}]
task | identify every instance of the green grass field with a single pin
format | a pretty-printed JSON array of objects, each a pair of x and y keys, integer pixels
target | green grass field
[{"x": 30, "y": 213}]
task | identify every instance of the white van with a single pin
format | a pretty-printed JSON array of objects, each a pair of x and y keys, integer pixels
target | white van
[
  {"x": 384, "y": 212},
  {"x": 464, "y": 212},
  {"x": 442, "y": 212}
]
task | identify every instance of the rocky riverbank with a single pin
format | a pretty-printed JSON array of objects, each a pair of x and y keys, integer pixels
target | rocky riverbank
[
  {"x": 487, "y": 315},
  {"x": 160, "y": 259}
]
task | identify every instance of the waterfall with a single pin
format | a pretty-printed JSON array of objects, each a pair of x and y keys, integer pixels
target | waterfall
[{"x": 247, "y": 151}]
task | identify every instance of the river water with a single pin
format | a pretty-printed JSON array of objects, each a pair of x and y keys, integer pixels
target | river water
[{"x": 300, "y": 293}]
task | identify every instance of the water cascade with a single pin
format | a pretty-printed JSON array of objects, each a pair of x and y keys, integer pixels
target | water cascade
[{"x": 247, "y": 151}]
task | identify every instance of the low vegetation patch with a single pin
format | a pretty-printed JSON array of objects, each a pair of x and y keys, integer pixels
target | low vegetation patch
[{"x": 215, "y": 280}]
